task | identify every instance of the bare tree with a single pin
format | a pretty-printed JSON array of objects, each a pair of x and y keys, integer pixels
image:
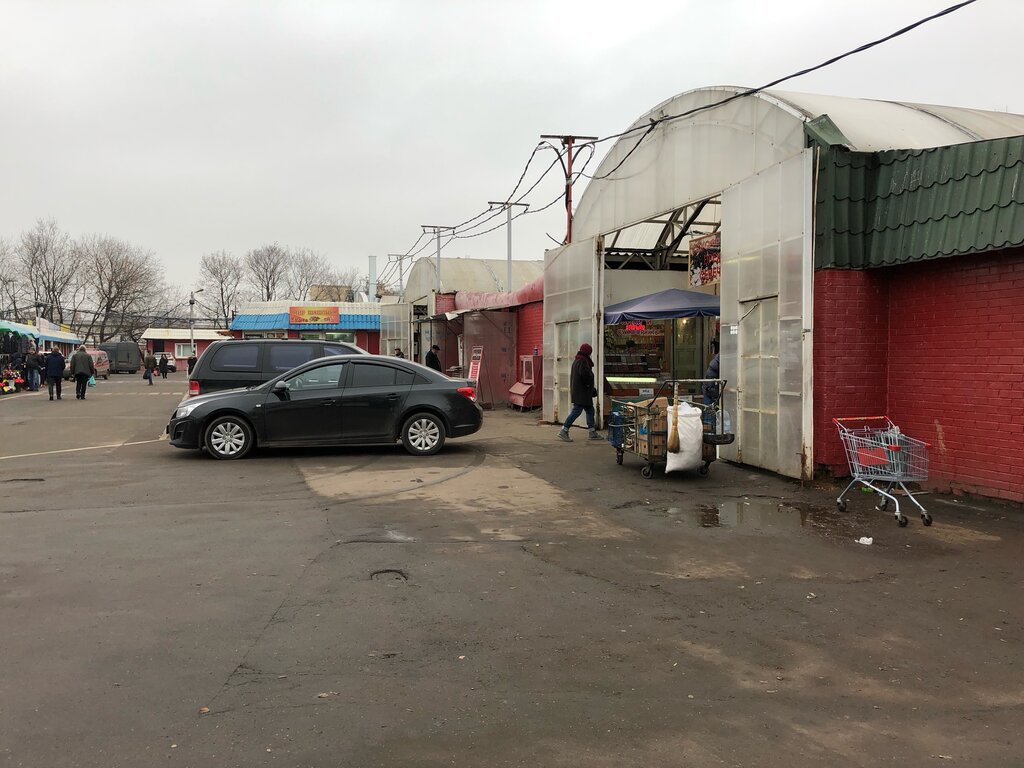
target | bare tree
[
  {"x": 10, "y": 287},
  {"x": 266, "y": 269},
  {"x": 49, "y": 267},
  {"x": 307, "y": 268},
  {"x": 220, "y": 276},
  {"x": 125, "y": 283}
]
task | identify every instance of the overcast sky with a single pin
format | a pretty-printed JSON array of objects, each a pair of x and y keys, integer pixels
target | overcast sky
[{"x": 189, "y": 127}]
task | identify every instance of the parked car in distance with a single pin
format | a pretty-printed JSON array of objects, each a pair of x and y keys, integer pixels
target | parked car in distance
[
  {"x": 234, "y": 363},
  {"x": 332, "y": 401},
  {"x": 99, "y": 359},
  {"x": 125, "y": 356}
]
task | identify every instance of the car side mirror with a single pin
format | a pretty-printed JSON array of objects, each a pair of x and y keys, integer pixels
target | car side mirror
[{"x": 281, "y": 389}]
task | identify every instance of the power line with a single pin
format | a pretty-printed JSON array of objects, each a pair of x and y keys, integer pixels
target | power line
[{"x": 648, "y": 129}]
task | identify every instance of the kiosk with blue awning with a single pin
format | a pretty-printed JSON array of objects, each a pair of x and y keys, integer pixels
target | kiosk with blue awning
[{"x": 663, "y": 335}]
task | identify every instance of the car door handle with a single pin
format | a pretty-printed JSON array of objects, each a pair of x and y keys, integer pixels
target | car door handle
[
  {"x": 327, "y": 401},
  {"x": 393, "y": 396}
]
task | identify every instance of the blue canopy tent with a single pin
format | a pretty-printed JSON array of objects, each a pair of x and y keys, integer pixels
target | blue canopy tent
[{"x": 664, "y": 305}]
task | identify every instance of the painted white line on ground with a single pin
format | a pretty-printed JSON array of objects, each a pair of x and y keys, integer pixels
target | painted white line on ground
[{"x": 74, "y": 450}]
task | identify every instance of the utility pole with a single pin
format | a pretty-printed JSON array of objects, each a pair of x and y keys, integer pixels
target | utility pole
[
  {"x": 191, "y": 319},
  {"x": 567, "y": 141},
  {"x": 400, "y": 258},
  {"x": 436, "y": 232},
  {"x": 508, "y": 225}
]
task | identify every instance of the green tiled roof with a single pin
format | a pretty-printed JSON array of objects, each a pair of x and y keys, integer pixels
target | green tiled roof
[{"x": 877, "y": 209}]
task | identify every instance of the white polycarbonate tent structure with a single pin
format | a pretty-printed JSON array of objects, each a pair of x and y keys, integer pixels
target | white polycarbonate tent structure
[{"x": 744, "y": 168}]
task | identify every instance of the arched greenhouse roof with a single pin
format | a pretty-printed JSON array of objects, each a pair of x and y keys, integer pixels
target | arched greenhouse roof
[{"x": 697, "y": 156}]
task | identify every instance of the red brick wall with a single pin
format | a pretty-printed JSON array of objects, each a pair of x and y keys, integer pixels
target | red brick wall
[
  {"x": 444, "y": 302},
  {"x": 850, "y": 355},
  {"x": 530, "y": 328},
  {"x": 954, "y": 371}
]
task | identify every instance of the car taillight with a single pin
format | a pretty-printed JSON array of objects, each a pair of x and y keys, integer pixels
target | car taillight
[
  {"x": 193, "y": 388},
  {"x": 467, "y": 392}
]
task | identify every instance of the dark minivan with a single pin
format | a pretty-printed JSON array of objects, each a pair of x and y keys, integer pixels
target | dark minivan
[
  {"x": 235, "y": 363},
  {"x": 125, "y": 356}
]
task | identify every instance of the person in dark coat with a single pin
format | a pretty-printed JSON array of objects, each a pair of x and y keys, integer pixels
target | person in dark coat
[
  {"x": 191, "y": 363},
  {"x": 33, "y": 363},
  {"x": 149, "y": 363},
  {"x": 432, "y": 360},
  {"x": 54, "y": 372},
  {"x": 582, "y": 393},
  {"x": 82, "y": 367},
  {"x": 162, "y": 366}
]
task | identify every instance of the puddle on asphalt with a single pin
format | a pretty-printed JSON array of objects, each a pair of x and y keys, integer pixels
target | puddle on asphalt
[
  {"x": 768, "y": 516},
  {"x": 748, "y": 514}
]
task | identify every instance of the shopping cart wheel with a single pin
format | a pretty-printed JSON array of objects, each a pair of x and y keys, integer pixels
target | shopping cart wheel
[
  {"x": 841, "y": 504},
  {"x": 926, "y": 519},
  {"x": 618, "y": 457},
  {"x": 902, "y": 520},
  {"x": 882, "y": 505},
  {"x": 647, "y": 472},
  {"x": 703, "y": 469}
]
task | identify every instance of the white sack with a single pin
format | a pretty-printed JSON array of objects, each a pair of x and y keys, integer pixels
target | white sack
[{"x": 691, "y": 439}]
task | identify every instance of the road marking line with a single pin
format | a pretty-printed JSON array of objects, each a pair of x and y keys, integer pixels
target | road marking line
[{"x": 74, "y": 450}]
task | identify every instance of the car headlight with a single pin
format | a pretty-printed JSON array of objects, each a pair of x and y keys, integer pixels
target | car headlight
[{"x": 184, "y": 410}]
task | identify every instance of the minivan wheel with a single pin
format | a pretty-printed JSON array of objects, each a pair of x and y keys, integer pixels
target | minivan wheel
[
  {"x": 229, "y": 437},
  {"x": 423, "y": 434}
]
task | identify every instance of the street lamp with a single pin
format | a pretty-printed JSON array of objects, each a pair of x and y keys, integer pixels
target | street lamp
[{"x": 191, "y": 321}]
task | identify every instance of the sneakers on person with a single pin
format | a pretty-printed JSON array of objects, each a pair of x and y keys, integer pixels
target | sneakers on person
[
  {"x": 594, "y": 435},
  {"x": 563, "y": 435}
]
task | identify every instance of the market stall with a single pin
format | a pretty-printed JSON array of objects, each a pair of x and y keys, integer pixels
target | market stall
[
  {"x": 656, "y": 338},
  {"x": 15, "y": 340}
]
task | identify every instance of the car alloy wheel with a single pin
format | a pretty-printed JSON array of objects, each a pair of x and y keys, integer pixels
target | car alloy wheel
[
  {"x": 423, "y": 435},
  {"x": 228, "y": 438}
]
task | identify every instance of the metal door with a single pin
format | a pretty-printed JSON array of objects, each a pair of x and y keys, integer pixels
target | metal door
[{"x": 567, "y": 342}]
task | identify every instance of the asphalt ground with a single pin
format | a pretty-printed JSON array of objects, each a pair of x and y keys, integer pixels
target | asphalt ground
[{"x": 513, "y": 601}]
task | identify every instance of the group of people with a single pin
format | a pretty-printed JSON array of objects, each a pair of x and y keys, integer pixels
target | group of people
[
  {"x": 48, "y": 368},
  {"x": 153, "y": 366}
]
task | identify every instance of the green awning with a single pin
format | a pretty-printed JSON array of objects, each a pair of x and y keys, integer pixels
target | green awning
[{"x": 12, "y": 327}]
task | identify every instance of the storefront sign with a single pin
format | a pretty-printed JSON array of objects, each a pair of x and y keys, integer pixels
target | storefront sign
[
  {"x": 706, "y": 259},
  {"x": 474, "y": 364},
  {"x": 636, "y": 326},
  {"x": 312, "y": 315}
]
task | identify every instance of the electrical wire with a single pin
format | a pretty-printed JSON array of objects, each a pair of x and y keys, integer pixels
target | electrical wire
[
  {"x": 463, "y": 231},
  {"x": 648, "y": 129}
]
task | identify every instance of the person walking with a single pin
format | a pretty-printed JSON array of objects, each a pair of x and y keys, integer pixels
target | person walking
[
  {"x": 432, "y": 360},
  {"x": 399, "y": 353},
  {"x": 191, "y": 363},
  {"x": 33, "y": 362},
  {"x": 149, "y": 363},
  {"x": 82, "y": 367},
  {"x": 162, "y": 366},
  {"x": 54, "y": 372},
  {"x": 582, "y": 393}
]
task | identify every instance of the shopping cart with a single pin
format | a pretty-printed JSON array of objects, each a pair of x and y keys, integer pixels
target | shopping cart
[{"x": 882, "y": 458}]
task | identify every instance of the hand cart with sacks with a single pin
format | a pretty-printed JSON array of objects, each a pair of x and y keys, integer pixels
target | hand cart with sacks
[
  {"x": 642, "y": 426},
  {"x": 881, "y": 459}
]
